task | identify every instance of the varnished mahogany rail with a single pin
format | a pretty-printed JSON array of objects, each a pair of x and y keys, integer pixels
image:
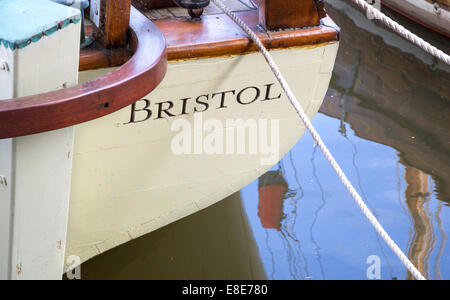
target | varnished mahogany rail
[
  {"x": 95, "y": 98},
  {"x": 218, "y": 35}
]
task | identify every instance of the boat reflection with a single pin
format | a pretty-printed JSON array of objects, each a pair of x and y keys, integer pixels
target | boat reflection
[
  {"x": 394, "y": 99},
  {"x": 401, "y": 103}
]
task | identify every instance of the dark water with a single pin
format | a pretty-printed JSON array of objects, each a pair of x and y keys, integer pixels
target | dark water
[{"x": 386, "y": 120}]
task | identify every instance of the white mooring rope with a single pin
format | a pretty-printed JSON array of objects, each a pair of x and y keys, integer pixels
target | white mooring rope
[
  {"x": 403, "y": 31},
  {"x": 359, "y": 201}
]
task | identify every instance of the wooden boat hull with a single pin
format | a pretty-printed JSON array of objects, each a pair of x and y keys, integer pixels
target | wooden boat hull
[
  {"x": 126, "y": 179},
  {"x": 424, "y": 13}
]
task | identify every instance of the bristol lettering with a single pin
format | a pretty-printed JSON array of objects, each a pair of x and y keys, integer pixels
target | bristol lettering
[{"x": 144, "y": 110}]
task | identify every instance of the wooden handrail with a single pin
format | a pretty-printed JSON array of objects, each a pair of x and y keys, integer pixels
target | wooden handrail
[{"x": 95, "y": 98}]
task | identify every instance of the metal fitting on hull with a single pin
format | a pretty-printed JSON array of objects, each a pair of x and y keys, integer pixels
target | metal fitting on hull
[{"x": 194, "y": 7}]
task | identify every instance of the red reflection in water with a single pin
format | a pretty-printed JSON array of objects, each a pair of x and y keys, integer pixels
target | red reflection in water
[{"x": 272, "y": 188}]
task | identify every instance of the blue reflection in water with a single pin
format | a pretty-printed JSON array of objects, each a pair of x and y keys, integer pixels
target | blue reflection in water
[{"x": 334, "y": 238}]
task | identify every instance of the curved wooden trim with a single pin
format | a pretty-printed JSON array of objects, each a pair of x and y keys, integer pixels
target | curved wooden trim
[
  {"x": 217, "y": 35},
  {"x": 95, "y": 98}
]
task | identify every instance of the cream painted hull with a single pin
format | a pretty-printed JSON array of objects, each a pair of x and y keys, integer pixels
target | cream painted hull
[{"x": 127, "y": 181}]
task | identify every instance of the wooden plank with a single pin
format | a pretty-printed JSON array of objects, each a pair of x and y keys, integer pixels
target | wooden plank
[
  {"x": 282, "y": 14},
  {"x": 112, "y": 18},
  {"x": 158, "y": 14},
  {"x": 179, "y": 12},
  {"x": 117, "y": 19},
  {"x": 187, "y": 39}
]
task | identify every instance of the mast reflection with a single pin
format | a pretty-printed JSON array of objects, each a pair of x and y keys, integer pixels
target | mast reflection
[{"x": 417, "y": 194}]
